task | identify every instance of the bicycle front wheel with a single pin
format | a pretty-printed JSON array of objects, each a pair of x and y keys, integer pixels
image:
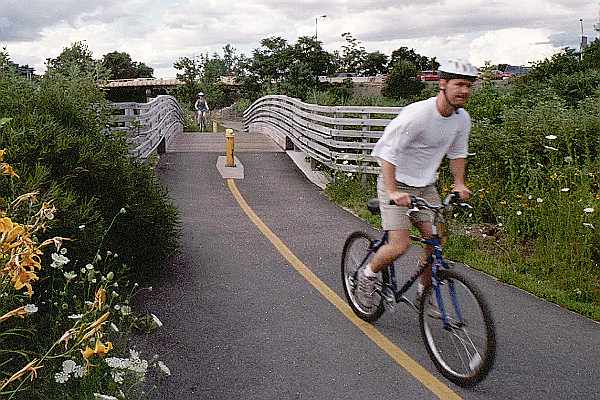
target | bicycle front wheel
[
  {"x": 355, "y": 255},
  {"x": 464, "y": 349}
]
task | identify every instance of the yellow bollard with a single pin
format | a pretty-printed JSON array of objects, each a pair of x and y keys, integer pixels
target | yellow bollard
[
  {"x": 215, "y": 126},
  {"x": 229, "y": 141}
]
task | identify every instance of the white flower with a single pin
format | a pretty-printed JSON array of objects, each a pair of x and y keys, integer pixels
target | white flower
[
  {"x": 117, "y": 376},
  {"x": 470, "y": 215},
  {"x": 75, "y": 316},
  {"x": 550, "y": 137},
  {"x": 114, "y": 327},
  {"x": 89, "y": 267},
  {"x": 30, "y": 308},
  {"x": 110, "y": 276},
  {"x": 70, "y": 275},
  {"x": 98, "y": 396},
  {"x": 115, "y": 362},
  {"x": 118, "y": 307},
  {"x": 588, "y": 210},
  {"x": 156, "y": 320},
  {"x": 81, "y": 227},
  {"x": 63, "y": 251},
  {"x": 61, "y": 377},
  {"x": 68, "y": 366},
  {"x": 565, "y": 189},
  {"x": 539, "y": 200},
  {"x": 108, "y": 253},
  {"x": 588, "y": 225},
  {"x": 78, "y": 371},
  {"x": 122, "y": 211},
  {"x": 500, "y": 224},
  {"x": 519, "y": 212},
  {"x": 530, "y": 197},
  {"x": 115, "y": 255},
  {"x": 58, "y": 260},
  {"x": 93, "y": 280},
  {"x": 349, "y": 174},
  {"x": 164, "y": 368},
  {"x": 550, "y": 148}
]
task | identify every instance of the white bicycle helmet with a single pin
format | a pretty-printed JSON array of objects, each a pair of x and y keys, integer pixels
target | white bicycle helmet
[
  {"x": 458, "y": 69},
  {"x": 200, "y": 94}
]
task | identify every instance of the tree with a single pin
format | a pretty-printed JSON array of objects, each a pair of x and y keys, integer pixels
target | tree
[
  {"x": 401, "y": 82},
  {"x": 375, "y": 63},
  {"x": 77, "y": 59},
  {"x": 121, "y": 66},
  {"x": 591, "y": 56},
  {"x": 310, "y": 52},
  {"x": 353, "y": 55},
  {"x": 422, "y": 63}
]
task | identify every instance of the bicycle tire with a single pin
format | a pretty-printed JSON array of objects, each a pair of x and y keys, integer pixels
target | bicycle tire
[
  {"x": 480, "y": 362},
  {"x": 355, "y": 250}
]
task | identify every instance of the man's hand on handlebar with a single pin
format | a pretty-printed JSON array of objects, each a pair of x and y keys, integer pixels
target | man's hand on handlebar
[
  {"x": 400, "y": 198},
  {"x": 462, "y": 191}
]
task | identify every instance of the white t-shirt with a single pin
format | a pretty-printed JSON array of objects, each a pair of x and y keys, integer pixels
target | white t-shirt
[{"x": 417, "y": 140}]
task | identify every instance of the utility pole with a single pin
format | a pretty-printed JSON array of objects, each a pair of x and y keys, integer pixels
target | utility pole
[
  {"x": 597, "y": 24},
  {"x": 317, "y": 24}
]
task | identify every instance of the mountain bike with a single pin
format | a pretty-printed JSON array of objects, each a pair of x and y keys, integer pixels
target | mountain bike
[
  {"x": 202, "y": 119},
  {"x": 455, "y": 321}
]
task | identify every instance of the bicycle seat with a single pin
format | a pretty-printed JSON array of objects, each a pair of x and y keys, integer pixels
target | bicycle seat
[{"x": 373, "y": 206}]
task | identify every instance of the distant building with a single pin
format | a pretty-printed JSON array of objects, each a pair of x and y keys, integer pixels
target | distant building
[
  {"x": 23, "y": 70},
  {"x": 517, "y": 70}
]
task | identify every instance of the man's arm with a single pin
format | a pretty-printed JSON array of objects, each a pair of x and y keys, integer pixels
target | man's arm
[
  {"x": 388, "y": 171},
  {"x": 457, "y": 168}
]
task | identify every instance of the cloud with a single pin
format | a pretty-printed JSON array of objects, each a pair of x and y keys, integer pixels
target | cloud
[{"x": 158, "y": 32}]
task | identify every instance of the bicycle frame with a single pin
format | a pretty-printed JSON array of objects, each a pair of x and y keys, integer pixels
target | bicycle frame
[{"x": 436, "y": 260}]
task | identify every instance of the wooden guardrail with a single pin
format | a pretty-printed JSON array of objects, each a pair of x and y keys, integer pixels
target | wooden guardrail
[
  {"x": 339, "y": 137},
  {"x": 150, "y": 126}
]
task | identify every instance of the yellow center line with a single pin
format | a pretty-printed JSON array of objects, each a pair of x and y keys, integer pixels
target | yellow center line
[{"x": 401, "y": 358}]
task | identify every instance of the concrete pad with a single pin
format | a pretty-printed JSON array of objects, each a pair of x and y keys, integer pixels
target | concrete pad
[
  {"x": 236, "y": 172},
  {"x": 316, "y": 177}
]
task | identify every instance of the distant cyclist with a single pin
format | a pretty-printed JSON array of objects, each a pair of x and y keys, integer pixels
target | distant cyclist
[
  {"x": 201, "y": 107},
  {"x": 410, "y": 152}
]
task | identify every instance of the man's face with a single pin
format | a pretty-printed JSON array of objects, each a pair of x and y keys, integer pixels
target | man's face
[{"x": 457, "y": 90}]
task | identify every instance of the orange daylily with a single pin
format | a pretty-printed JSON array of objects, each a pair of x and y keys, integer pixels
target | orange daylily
[
  {"x": 31, "y": 368},
  {"x": 100, "y": 350},
  {"x": 6, "y": 169}
]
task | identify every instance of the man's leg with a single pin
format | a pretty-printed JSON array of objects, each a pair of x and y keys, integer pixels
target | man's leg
[
  {"x": 426, "y": 231},
  {"x": 398, "y": 242}
]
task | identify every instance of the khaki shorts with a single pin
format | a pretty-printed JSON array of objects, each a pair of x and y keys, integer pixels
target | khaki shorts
[{"x": 394, "y": 217}]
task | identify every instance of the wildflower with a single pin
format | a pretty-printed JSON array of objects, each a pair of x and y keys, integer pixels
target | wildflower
[
  {"x": 115, "y": 362},
  {"x": 30, "y": 368},
  {"x": 125, "y": 310},
  {"x": 68, "y": 366},
  {"x": 58, "y": 260},
  {"x": 99, "y": 298},
  {"x": 539, "y": 200},
  {"x": 349, "y": 174},
  {"x": 117, "y": 376},
  {"x": 75, "y": 316},
  {"x": 122, "y": 211},
  {"x": 100, "y": 349},
  {"x": 61, "y": 377},
  {"x": 551, "y": 137},
  {"x": 89, "y": 267},
  {"x": 114, "y": 327},
  {"x": 81, "y": 227},
  {"x": 165, "y": 370},
  {"x": 530, "y": 197},
  {"x": 588, "y": 210},
  {"x": 31, "y": 308},
  {"x": 565, "y": 189},
  {"x": 98, "y": 396},
  {"x": 588, "y": 225},
  {"x": 550, "y": 148},
  {"x": 156, "y": 320},
  {"x": 63, "y": 251},
  {"x": 70, "y": 275},
  {"x": 519, "y": 212},
  {"x": 6, "y": 169},
  {"x": 110, "y": 276}
]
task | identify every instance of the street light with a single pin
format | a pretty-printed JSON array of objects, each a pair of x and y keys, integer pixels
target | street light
[{"x": 316, "y": 25}]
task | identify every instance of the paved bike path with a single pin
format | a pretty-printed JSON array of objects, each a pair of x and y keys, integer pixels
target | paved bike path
[{"x": 239, "y": 322}]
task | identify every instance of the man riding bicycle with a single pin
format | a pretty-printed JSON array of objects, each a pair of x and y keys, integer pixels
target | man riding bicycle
[
  {"x": 201, "y": 107},
  {"x": 409, "y": 153}
]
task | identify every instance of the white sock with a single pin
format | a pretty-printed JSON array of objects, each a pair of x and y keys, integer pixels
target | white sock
[{"x": 369, "y": 272}]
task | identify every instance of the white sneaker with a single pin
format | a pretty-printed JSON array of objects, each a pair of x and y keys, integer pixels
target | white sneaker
[{"x": 365, "y": 290}]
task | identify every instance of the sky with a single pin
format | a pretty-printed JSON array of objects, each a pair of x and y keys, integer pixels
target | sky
[{"x": 158, "y": 32}]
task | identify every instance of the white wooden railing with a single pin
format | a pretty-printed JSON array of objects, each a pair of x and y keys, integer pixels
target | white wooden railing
[
  {"x": 339, "y": 137},
  {"x": 150, "y": 126}
]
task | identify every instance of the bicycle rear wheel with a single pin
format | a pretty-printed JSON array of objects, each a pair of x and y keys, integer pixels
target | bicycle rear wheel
[
  {"x": 354, "y": 256},
  {"x": 465, "y": 350}
]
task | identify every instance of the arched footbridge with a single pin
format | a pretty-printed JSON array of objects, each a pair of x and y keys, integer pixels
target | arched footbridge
[{"x": 252, "y": 307}]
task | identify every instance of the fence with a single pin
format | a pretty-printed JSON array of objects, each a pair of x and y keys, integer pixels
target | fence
[
  {"x": 339, "y": 137},
  {"x": 150, "y": 126}
]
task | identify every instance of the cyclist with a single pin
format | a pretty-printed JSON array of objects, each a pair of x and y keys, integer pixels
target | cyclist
[
  {"x": 201, "y": 107},
  {"x": 409, "y": 153}
]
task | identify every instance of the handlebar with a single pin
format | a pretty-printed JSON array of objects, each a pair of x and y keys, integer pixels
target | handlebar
[{"x": 417, "y": 203}]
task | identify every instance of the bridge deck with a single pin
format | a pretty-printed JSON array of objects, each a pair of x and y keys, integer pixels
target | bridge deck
[{"x": 215, "y": 142}]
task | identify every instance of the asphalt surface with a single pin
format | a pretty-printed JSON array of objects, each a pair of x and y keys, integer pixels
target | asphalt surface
[{"x": 240, "y": 323}]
